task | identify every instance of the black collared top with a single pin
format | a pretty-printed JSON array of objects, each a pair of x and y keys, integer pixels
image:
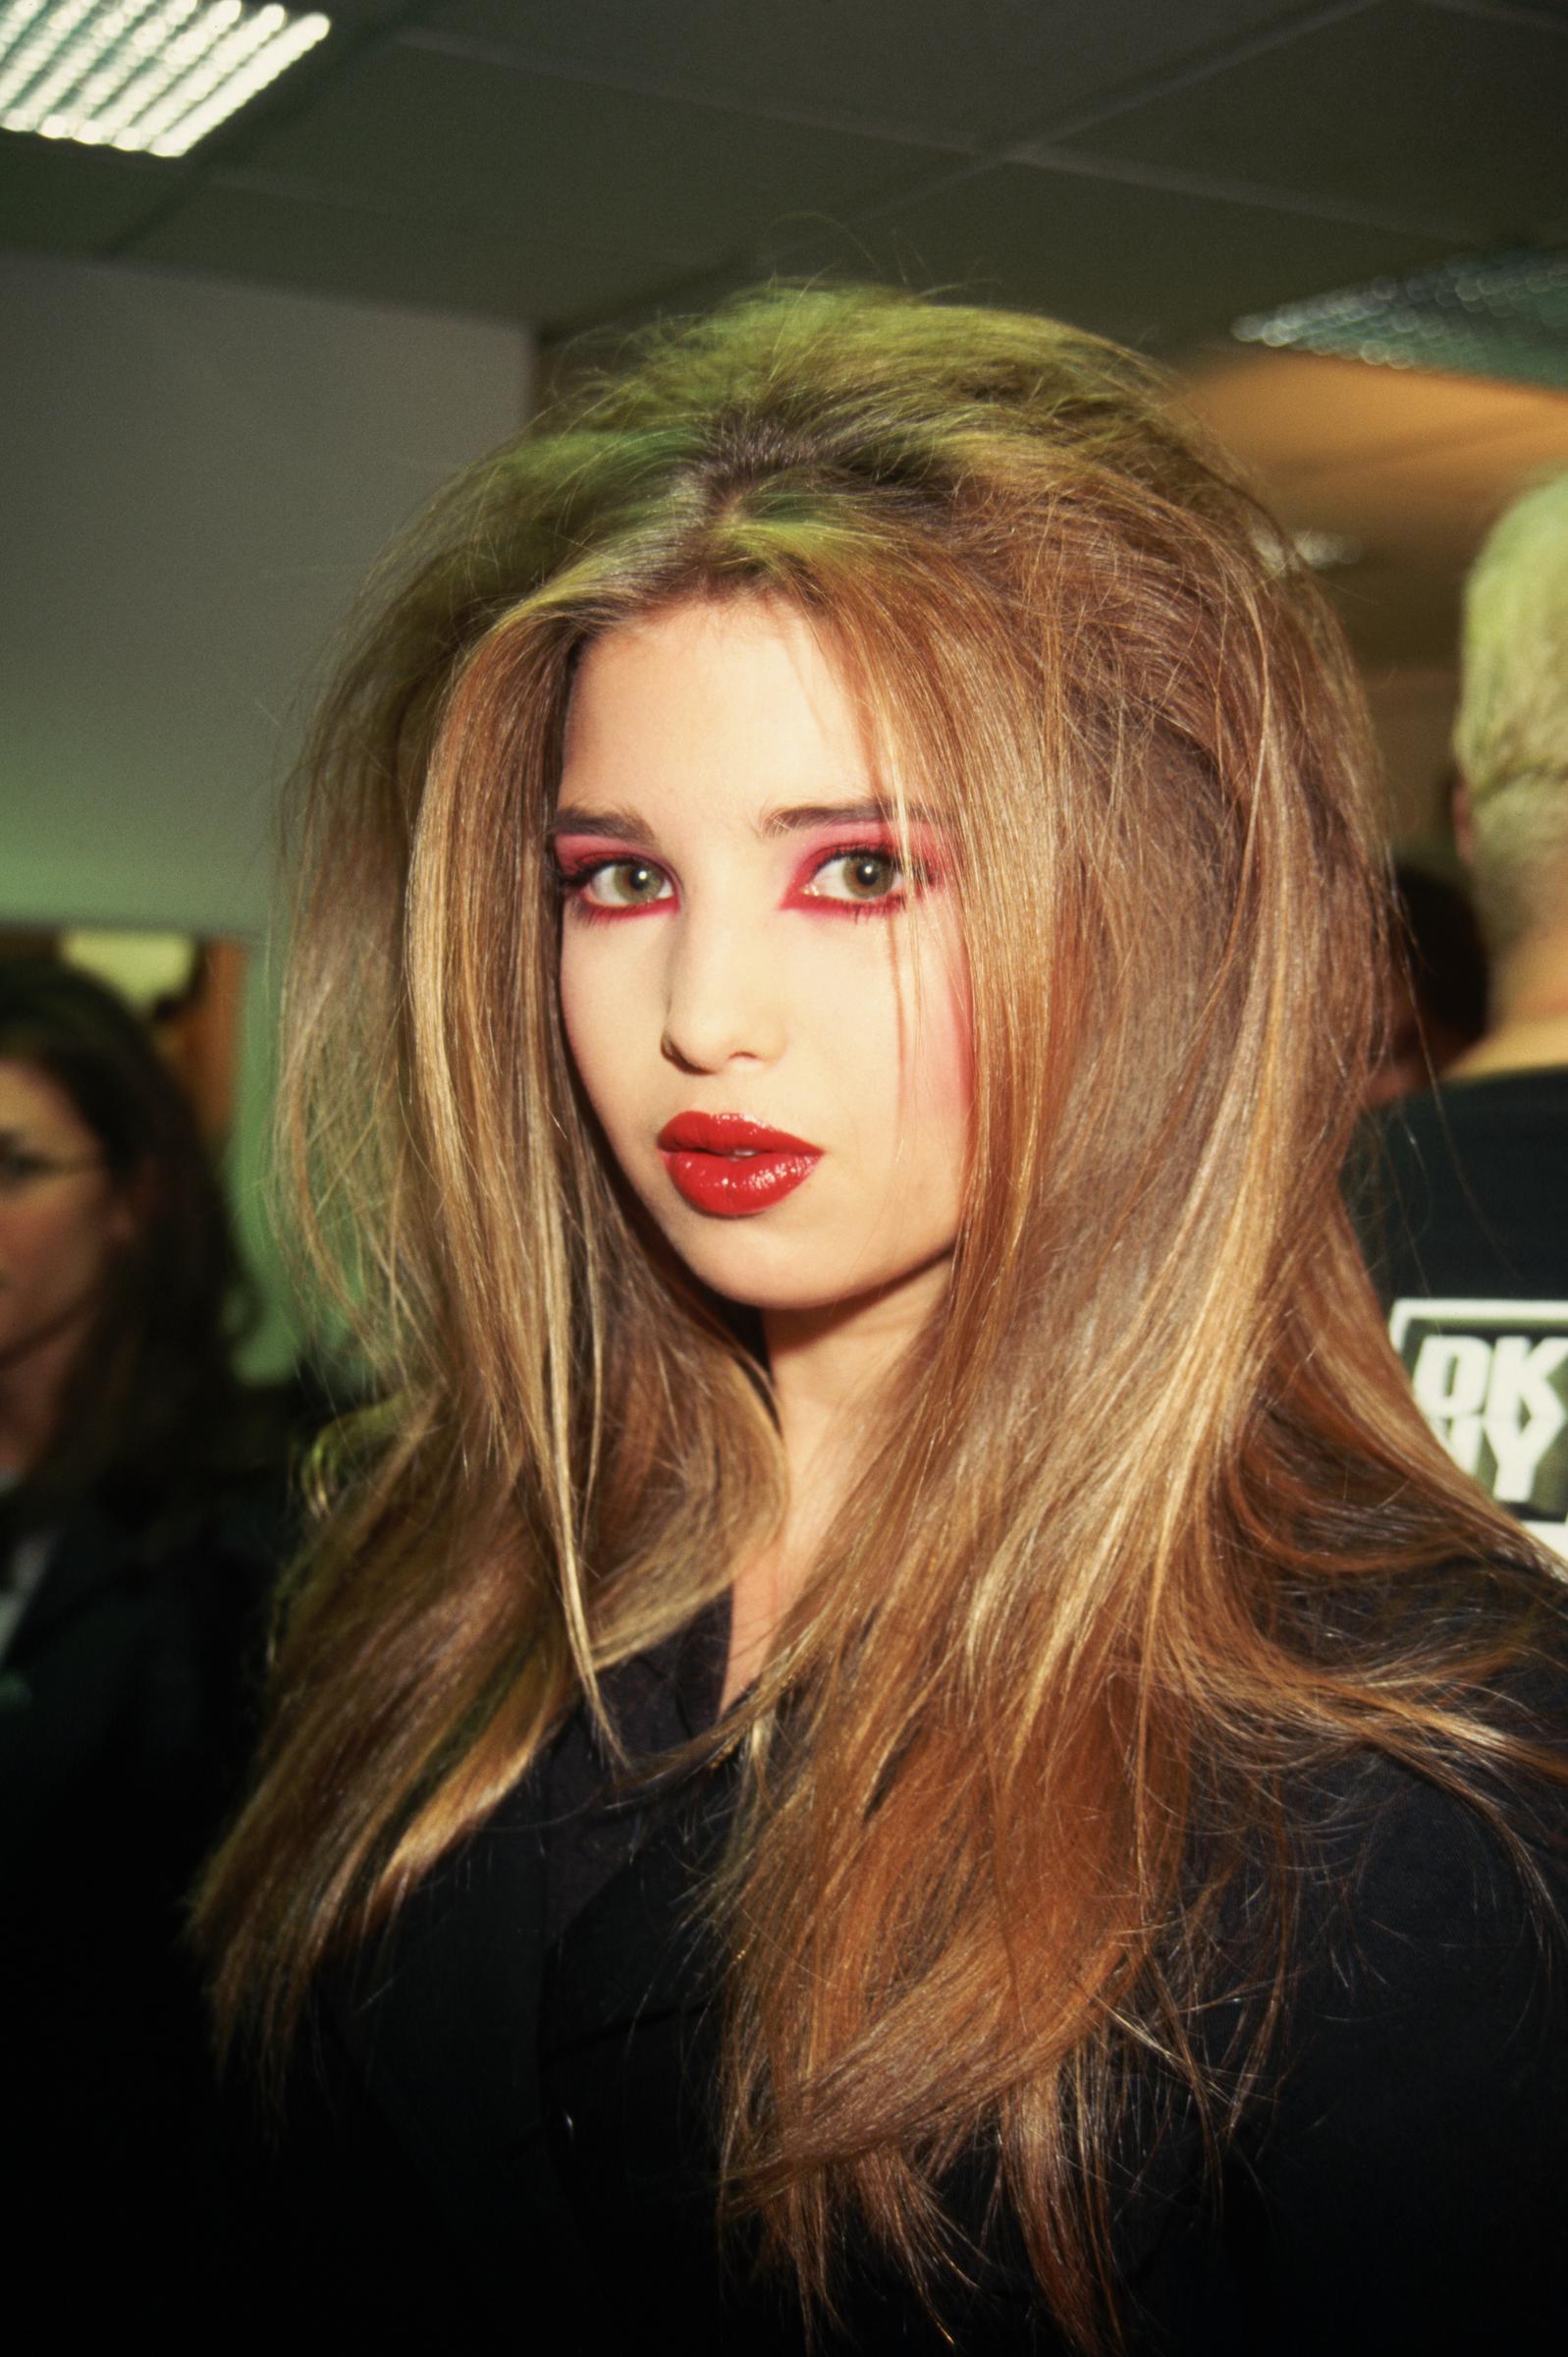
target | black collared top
[{"x": 512, "y": 2127}]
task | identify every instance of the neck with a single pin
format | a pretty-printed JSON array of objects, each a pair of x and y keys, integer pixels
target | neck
[
  {"x": 1530, "y": 998},
  {"x": 828, "y": 1367}
]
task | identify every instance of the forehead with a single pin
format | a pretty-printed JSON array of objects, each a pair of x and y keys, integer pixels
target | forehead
[
  {"x": 732, "y": 706},
  {"x": 36, "y": 1107}
]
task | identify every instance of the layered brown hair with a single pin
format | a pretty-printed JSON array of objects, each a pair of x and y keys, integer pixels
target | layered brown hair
[{"x": 1134, "y": 1524}]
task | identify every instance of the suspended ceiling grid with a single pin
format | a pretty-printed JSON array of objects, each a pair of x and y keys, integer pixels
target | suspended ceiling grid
[{"x": 1150, "y": 168}]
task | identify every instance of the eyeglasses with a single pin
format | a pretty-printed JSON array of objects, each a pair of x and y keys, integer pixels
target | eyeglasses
[{"x": 20, "y": 1168}]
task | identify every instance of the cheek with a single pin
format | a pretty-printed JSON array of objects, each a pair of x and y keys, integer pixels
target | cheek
[
  {"x": 34, "y": 1238},
  {"x": 953, "y": 1058},
  {"x": 939, "y": 1065},
  {"x": 48, "y": 1251},
  {"x": 599, "y": 1017},
  {"x": 581, "y": 1017}
]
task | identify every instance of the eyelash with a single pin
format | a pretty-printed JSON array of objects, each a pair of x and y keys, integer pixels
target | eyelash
[{"x": 572, "y": 884}]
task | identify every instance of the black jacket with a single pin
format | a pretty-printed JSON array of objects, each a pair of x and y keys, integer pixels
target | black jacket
[
  {"x": 510, "y": 2136},
  {"x": 126, "y": 1709}
]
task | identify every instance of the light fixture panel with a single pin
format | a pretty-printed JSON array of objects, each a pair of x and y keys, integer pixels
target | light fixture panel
[
  {"x": 145, "y": 76},
  {"x": 1498, "y": 315}
]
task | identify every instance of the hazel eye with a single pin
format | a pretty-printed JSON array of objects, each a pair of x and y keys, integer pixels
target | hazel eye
[
  {"x": 857, "y": 876},
  {"x": 626, "y": 884}
]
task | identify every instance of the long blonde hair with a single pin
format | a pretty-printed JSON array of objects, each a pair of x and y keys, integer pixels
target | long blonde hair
[{"x": 1155, "y": 1455}]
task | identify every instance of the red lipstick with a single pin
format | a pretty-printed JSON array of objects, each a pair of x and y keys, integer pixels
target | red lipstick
[{"x": 730, "y": 1166}]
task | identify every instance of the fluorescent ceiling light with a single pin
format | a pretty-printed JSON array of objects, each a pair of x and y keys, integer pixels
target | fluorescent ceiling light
[
  {"x": 1497, "y": 314},
  {"x": 148, "y": 77}
]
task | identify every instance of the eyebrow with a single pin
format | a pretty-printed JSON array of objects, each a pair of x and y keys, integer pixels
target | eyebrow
[
  {"x": 629, "y": 825},
  {"x": 570, "y": 820},
  {"x": 840, "y": 814}
]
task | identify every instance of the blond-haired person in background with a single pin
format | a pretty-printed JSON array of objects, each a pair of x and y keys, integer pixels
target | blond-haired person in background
[{"x": 1475, "y": 1258}]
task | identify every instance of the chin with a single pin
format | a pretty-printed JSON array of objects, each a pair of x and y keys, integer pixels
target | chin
[{"x": 775, "y": 1275}]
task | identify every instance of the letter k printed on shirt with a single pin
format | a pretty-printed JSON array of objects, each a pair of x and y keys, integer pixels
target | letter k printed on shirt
[{"x": 1491, "y": 1380}]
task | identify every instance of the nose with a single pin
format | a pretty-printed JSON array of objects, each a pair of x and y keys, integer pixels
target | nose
[{"x": 724, "y": 1003}]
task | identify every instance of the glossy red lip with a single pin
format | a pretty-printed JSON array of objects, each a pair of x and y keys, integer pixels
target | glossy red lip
[
  {"x": 728, "y": 1134},
  {"x": 730, "y": 1166}
]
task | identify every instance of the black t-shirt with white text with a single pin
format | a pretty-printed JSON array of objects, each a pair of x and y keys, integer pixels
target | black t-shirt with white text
[{"x": 1470, "y": 1249}]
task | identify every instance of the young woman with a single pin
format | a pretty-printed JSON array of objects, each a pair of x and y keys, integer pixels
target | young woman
[
  {"x": 138, "y": 1524},
  {"x": 898, "y": 1735}
]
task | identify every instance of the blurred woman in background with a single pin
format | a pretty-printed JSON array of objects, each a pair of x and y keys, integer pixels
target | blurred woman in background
[{"x": 138, "y": 1522}]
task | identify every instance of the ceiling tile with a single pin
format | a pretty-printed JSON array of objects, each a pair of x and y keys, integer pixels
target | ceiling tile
[
  {"x": 1417, "y": 110},
  {"x": 1151, "y": 270},
  {"x": 978, "y": 72},
  {"x": 519, "y": 154},
  {"x": 291, "y": 240},
  {"x": 58, "y": 198}
]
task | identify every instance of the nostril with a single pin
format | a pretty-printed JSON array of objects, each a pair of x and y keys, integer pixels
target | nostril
[{"x": 672, "y": 1053}]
